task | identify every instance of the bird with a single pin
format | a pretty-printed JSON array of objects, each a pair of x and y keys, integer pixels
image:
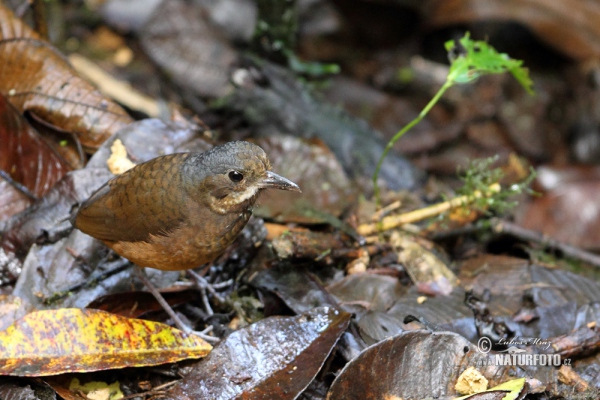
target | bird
[{"x": 179, "y": 211}]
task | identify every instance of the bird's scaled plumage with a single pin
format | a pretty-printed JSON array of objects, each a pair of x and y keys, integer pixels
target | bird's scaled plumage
[{"x": 182, "y": 210}]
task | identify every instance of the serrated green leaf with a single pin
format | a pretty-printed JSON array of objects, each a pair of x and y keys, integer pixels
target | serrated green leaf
[{"x": 471, "y": 59}]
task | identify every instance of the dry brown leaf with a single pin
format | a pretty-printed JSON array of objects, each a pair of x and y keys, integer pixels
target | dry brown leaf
[
  {"x": 569, "y": 25},
  {"x": 36, "y": 78},
  {"x": 24, "y": 155},
  {"x": 326, "y": 189},
  {"x": 182, "y": 40}
]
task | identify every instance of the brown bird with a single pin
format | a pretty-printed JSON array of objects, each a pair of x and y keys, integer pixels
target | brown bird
[{"x": 180, "y": 211}]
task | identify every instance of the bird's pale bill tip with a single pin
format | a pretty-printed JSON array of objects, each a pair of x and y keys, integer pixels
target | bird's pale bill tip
[{"x": 274, "y": 181}]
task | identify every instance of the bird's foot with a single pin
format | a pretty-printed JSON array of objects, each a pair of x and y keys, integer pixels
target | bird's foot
[
  {"x": 201, "y": 334},
  {"x": 206, "y": 287},
  {"x": 169, "y": 310}
]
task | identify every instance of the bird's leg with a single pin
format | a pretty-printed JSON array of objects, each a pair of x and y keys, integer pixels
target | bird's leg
[
  {"x": 205, "y": 286},
  {"x": 161, "y": 300}
]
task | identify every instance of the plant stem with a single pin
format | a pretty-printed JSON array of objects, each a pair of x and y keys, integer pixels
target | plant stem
[
  {"x": 394, "y": 221},
  {"x": 398, "y": 135}
]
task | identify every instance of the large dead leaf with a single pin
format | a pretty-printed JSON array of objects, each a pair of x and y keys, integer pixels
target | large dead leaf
[
  {"x": 557, "y": 301},
  {"x": 569, "y": 25},
  {"x": 25, "y": 156},
  {"x": 38, "y": 79},
  {"x": 447, "y": 312},
  {"x": 182, "y": 40},
  {"x": 298, "y": 289},
  {"x": 53, "y": 342},
  {"x": 325, "y": 186},
  {"x": 275, "y": 358},
  {"x": 373, "y": 292},
  {"x": 569, "y": 213},
  {"x": 413, "y": 365}
]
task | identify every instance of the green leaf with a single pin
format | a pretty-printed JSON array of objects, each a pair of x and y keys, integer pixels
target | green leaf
[
  {"x": 314, "y": 69},
  {"x": 471, "y": 59}
]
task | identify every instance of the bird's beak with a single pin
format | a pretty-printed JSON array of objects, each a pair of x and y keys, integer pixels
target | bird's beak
[{"x": 274, "y": 181}]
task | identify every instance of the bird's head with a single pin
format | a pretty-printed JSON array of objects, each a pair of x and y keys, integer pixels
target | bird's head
[{"x": 234, "y": 175}]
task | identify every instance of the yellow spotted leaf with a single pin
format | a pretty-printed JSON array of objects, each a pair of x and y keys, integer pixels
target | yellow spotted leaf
[{"x": 53, "y": 342}]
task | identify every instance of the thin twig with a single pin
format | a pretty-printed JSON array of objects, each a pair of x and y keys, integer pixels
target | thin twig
[
  {"x": 507, "y": 227},
  {"x": 500, "y": 226},
  {"x": 386, "y": 210},
  {"x": 158, "y": 390},
  {"x": 394, "y": 221}
]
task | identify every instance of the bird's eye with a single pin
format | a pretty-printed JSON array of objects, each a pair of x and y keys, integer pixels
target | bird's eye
[{"x": 235, "y": 176}]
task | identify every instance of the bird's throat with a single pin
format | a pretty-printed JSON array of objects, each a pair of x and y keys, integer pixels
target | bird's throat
[{"x": 235, "y": 201}]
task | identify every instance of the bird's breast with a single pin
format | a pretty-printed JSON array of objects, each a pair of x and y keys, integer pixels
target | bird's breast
[{"x": 197, "y": 241}]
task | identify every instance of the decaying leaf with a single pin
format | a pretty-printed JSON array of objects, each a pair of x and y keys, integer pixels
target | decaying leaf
[
  {"x": 180, "y": 38},
  {"x": 413, "y": 365},
  {"x": 53, "y": 342},
  {"x": 24, "y": 155},
  {"x": 326, "y": 189},
  {"x": 274, "y": 358},
  {"x": 570, "y": 26},
  {"x": 38, "y": 79}
]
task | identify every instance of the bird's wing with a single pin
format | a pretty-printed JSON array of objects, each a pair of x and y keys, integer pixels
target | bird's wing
[{"x": 133, "y": 206}]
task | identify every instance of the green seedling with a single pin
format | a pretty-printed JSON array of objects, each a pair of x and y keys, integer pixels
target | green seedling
[
  {"x": 479, "y": 176},
  {"x": 469, "y": 60}
]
